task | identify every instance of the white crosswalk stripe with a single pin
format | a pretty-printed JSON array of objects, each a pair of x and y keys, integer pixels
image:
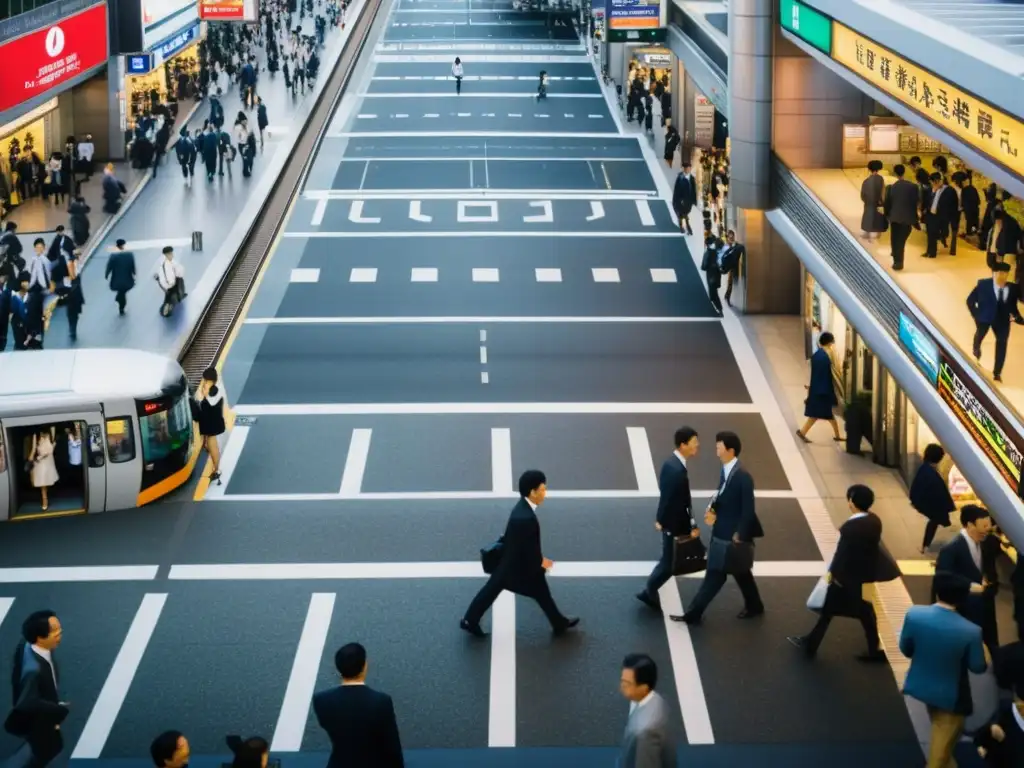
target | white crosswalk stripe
[{"x": 366, "y": 275}]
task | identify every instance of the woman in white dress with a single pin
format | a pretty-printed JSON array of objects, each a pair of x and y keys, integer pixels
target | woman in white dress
[{"x": 44, "y": 469}]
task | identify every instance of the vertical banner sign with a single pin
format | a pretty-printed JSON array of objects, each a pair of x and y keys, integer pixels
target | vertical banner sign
[
  {"x": 228, "y": 10},
  {"x": 703, "y": 122},
  {"x": 635, "y": 14}
]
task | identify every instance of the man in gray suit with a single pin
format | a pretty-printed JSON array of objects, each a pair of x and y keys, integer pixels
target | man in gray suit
[
  {"x": 648, "y": 741},
  {"x": 902, "y": 202}
]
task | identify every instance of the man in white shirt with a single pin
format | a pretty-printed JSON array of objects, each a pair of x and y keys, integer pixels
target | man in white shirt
[{"x": 648, "y": 741}]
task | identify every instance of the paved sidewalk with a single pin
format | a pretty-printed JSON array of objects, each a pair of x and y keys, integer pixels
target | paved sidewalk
[{"x": 166, "y": 212}]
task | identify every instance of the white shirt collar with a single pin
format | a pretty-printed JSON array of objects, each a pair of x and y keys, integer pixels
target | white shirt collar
[
  {"x": 1000, "y": 289},
  {"x": 855, "y": 515},
  {"x": 1018, "y": 716},
  {"x": 728, "y": 468},
  {"x": 353, "y": 682},
  {"x": 635, "y": 705},
  {"x": 681, "y": 458},
  {"x": 532, "y": 505},
  {"x": 44, "y": 653}
]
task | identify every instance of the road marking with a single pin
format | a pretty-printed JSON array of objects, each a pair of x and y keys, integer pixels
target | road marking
[
  {"x": 424, "y": 275},
  {"x": 465, "y": 96},
  {"x": 355, "y": 211},
  {"x": 568, "y": 115},
  {"x": 475, "y": 195},
  {"x": 595, "y": 117},
  {"x": 86, "y": 573},
  {"x": 401, "y": 115},
  {"x": 481, "y": 156},
  {"x": 609, "y": 134},
  {"x": 464, "y": 114},
  {"x": 483, "y": 355},
  {"x": 804, "y": 569},
  {"x": 501, "y": 721},
  {"x": 605, "y": 274},
  {"x": 416, "y": 213},
  {"x": 470, "y": 233},
  {"x": 485, "y": 275},
  {"x": 318, "y": 213},
  {"x": 403, "y": 496},
  {"x": 484, "y": 378},
  {"x": 463, "y": 216},
  {"x": 483, "y": 336},
  {"x": 366, "y": 117},
  {"x": 355, "y": 463},
  {"x": 514, "y": 115},
  {"x": 644, "y": 209},
  {"x": 663, "y": 275},
  {"x": 363, "y": 275},
  {"x": 233, "y": 451},
  {"x": 548, "y": 275},
  {"x": 115, "y": 689},
  {"x": 546, "y": 217},
  {"x": 291, "y": 722},
  {"x": 145, "y": 245},
  {"x": 455, "y": 409},
  {"x": 432, "y": 319},
  {"x": 643, "y": 461},
  {"x": 432, "y": 114},
  {"x": 5, "y": 607},
  {"x": 501, "y": 460},
  {"x": 693, "y": 705},
  {"x": 305, "y": 275},
  {"x": 536, "y": 115}
]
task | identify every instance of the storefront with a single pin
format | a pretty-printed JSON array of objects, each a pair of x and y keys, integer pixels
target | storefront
[{"x": 163, "y": 74}]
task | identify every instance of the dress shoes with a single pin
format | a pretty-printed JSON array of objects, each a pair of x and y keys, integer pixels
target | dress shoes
[
  {"x": 570, "y": 622},
  {"x": 692, "y": 619},
  {"x": 647, "y": 600},
  {"x": 473, "y": 629},
  {"x": 801, "y": 642},
  {"x": 747, "y": 614},
  {"x": 874, "y": 657}
]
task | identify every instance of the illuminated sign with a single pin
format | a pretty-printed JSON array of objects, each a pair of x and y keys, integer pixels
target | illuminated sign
[
  {"x": 976, "y": 123},
  {"x": 138, "y": 63},
  {"x": 980, "y": 417},
  {"x": 228, "y": 10},
  {"x": 807, "y": 24},
  {"x": 921, "y": 348},
  {"x": 634, "y": 14}
]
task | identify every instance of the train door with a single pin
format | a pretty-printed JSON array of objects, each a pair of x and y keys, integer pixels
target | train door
[
  {"x": 5, "y": 483},
  {"x": 51, "y": 468}
]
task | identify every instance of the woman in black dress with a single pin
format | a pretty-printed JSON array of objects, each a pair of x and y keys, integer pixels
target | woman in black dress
[
  {"x": 929, "y": 494},
  {"x": 821, "y": 392},
  {"x": 209, "y": 413}
]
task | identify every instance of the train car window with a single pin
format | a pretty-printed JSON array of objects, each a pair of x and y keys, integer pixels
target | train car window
[
  {"x": 120, "y": 440},
  {"x": 95, "y": 434}
]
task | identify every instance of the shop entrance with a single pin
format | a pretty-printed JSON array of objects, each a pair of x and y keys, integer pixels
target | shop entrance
[{"x": 48, "y": 474}]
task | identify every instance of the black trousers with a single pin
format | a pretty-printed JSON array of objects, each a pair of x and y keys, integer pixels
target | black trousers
[
  {"x": 728, "y": 285},
  {"x": 898, "y": 240},
  {"x": 930, "y": 529},
  {"x": 713, "y": 286},
  {"x": 38, "y": 750},
  {"x": 663, "y": 568},
  {"x": 713, "y": 582},
  {"x": 934, "y": 230},
  {"x": 865, "y": 615},
  {"x": 954, "y": 230},
  {"x": 495, "y": 586},
  {"x": 1002, "y": 337}
]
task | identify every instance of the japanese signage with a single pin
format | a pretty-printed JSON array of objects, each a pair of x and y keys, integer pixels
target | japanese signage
[
  {"x": 228, "y": 10},
  {"x": 921, "y": 348},
  {"x": 983, "y": 421},
  {"x": 635, "y": 14},
  {"x": 976, "y": 123},
  {"x": 703, "y": 121},
  {"x": 162, "y": 19},
  {"x": 807, "y": 24},
  {"x": 40, "y": 61},
  {"x": 138, "y": 63},
  {"x": 176, "y": 44}
]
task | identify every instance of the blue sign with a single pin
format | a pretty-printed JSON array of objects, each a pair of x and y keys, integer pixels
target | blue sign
[
  {"x": 920, "y": 346},
  {"x": 634, "y": 14},
  {"x": 138, "y": 63},
  {"x": 176, "y": 44}
]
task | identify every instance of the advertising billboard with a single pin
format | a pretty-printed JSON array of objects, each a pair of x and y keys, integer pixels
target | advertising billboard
[
  {"x": 40, "y": 61},
  {"x": 807, "y": 24},
  {"x": 635, "y": 14},
  {"x": 229, "y": 10},
  {"x": 922, "y": 349},
  {"x": 162, "y": 19}
]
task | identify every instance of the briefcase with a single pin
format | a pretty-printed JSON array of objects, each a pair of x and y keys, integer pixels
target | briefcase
[
  {"x": 688, "y": 556},
  {"x": 739, "y": 558},
  {"x": 490, "y": 556}
]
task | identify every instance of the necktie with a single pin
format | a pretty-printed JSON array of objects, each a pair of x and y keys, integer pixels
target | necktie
[{"x": 721, "y": 479}]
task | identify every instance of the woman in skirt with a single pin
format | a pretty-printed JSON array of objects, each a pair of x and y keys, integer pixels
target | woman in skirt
[{"x": 209, "y": 414}]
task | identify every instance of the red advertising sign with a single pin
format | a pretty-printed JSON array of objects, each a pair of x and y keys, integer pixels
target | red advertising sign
[
  {"x": 40, "y": 61},
  {"x": 227, "y": 10}
]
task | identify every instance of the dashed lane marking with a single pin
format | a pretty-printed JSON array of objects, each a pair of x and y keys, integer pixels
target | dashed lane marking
[{"x": 366, "y": 117}]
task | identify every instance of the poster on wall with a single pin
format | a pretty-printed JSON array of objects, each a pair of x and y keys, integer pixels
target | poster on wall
[
  {"x": 703, "y": 121},
  {"x": 40, "y": 61},
  {"x": 162, "y": 19},
  {"x": 229, "y": 10}
]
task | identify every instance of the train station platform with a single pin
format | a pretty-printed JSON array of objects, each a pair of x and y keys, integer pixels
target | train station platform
[{"x": 166, "y": 212}]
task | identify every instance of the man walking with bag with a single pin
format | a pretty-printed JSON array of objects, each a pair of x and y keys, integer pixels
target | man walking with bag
[{"x": 859, "y": 559}]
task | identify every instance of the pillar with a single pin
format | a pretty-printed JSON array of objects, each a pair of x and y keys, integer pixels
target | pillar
[{"x": 751, "y": 24}]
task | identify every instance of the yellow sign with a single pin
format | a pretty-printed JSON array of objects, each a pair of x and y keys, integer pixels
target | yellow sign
[{"x": 992, "y": 132}]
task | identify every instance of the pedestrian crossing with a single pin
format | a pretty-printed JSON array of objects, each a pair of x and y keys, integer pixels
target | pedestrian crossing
[{"x": 657, "y": 275}]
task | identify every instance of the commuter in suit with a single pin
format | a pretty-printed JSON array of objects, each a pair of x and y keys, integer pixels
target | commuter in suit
[
  {"x": 523, "y": 568},
  {"x": 902, "y": 203},
  {"x": 924, "y": 183},
  {"x": 1001, "y": 744},
  {"x": 61, "y": 246},
  {"x": 858, "y": 560},
  {"x": 648, "y": 741},
  {"x": 1003, "y": 238},
  {"x": 942, "y": 207},
  {"x": 684, "y": 197},
  {"x": 992, "y": 303},
  {"x": 734, "y": 253},
  {"x": 359, "y": 721},
  {"x": 970, "y": 201},
  {"x": 711, "y": 265},
  {"x": 170, "y": 750},
  {"x": 675, "y": 514},
  {"x": 120, "y": 273},
  {"x": 872, "y": 190},
  {"x": 733, "y": 523},
  {"x": 942, "y": 647},
  {"x": 821, "y": 392},
  {"x": 929, "y": 494},
  {"x": 970, "y": 564},
  {"x": 38, "y": 712}
]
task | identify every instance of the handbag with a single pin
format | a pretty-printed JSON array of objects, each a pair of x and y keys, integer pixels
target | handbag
[
  {"x": 739, "y": 558},
  {"x": 816, "y": 600},
  {"x": 688, "y": 556},
  {"x": 490, "y": 556}
]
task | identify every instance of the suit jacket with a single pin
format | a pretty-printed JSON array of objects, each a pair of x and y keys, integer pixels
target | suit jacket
[
  {"x": 710, "y": 264},
  {"x": 821, "y": 384},
  {"x": 121, "y": 270},
  {"x": 521, "y": 567},
  {"x": 945, "y": 211},
  {"x": 734, "y": 508},
  {"x": 732, "y": 256},
  {"x": 902, "y": 202},
  {"x": 929, "y": 494},
  {"x": 942, "y": 647},
  {"x": 684, "y": 194},
  {"x": 675, "y": 507},
  {"x": 955, "y": 560},
  {"x": 60, "y": 243},
  {"x": 648, "y": 742},
  {"x": 984, "y": 308},
  {"x": 1008, "y": 753},
  {"x": 858, "y": 557},
  {"x": 970, "y": 200},
  {"x": 361, "y": 725},
  {"x": 36, "y": 703}
]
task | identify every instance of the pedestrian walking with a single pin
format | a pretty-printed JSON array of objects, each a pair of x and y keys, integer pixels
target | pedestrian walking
[
  {"x": 648, "y": 741},
  {"x": 248, "y": 753},
  {"x": 542, "y": 86},
  {"x": 457, "y": 73},
  {"x": 208, "y": 412},
  {"x": 170, "y": 276},
  {"x": 929, "y": 494},
  {"x": 113, "y": 190},
  {"x": 261, "y": 118},
  {"x": 74, "y": 301},
  {"x": 170, "y": 750},
  {"x": 186, "y": 151},
  {"x": 208, "y": 148},
  {"x": 120, "y": 274},
  {"x": 821, "y": 400}
]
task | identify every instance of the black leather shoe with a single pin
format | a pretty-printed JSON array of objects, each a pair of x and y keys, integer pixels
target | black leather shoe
[
  {"x": 745, "y": 614},
  {"x": 801, "y": 643},
  {"x": 570, "y": 622},
  {"x": 473, "y": 629},
  {"x": 873, "y": 657},
  {"x": 644, "y": 598},
  {"x": 692, "y": 619}
]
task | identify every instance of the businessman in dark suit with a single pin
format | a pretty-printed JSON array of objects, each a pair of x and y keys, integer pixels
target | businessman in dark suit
[
  {"x": 38, "y": 711},
  {"x": 120, "y": 273},
  {"x": 359, "y": 721},
  {"x": 966, "y": 561},
  {"x": 675, "y": 514},
  {"x": 901, "y": 205},
  {"x": 711, "y": 265},
  {"x": 993, "y": 303},
  {"x": 1001, "y": 743},
  {"x": 684, "y": 197},
  {"x": 62, "y": 246},
  {"x": 522, "y": 568},
  {"x": 733, "y": 524},
  {"x": 858, "y": 560},
  {"x": 942, "y": 209},
  {"x": 731, "y": 258}
]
